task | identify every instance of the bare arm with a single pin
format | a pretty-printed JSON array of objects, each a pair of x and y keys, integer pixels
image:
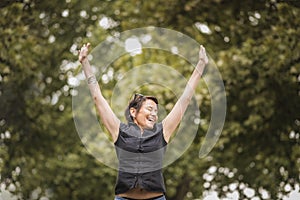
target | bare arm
[
  {"x": 174, "y": 117},
  {"x": 107, "y": 116}
]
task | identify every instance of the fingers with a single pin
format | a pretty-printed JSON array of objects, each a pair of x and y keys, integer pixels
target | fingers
[
  {"x": 84, "y": 46},
  {"x": 202, "y": 49},
  {"x": 202, "y": 54},
  {"x": 87, "y": 45}
]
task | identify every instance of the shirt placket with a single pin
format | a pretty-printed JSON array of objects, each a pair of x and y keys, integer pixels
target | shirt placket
[{"x": 139, "y": 160}]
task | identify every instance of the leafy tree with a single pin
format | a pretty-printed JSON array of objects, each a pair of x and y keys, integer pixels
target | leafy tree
[{"x": 42, "y": 154}]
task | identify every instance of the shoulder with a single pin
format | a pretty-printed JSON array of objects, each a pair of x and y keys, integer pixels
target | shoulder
[
  {"x": 123, "y": 126},
  {"x": 158, "y": 126}
]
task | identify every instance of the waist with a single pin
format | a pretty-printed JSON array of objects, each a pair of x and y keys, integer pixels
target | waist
[
  {"x": 142, "y": 185},
  {"x": 141, "y": 194},
  {"x": 161, "y": 197}
]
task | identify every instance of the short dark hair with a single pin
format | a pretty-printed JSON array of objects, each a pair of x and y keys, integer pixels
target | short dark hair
[{"x": 137, "y": 103}]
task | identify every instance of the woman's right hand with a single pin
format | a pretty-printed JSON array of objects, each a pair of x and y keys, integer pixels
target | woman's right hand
[{"x": 83, "y": 52}]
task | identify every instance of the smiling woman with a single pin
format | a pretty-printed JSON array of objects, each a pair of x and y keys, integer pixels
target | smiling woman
[{"x": 141, "y": 143}]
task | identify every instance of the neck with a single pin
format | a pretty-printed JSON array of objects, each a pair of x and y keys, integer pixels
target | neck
[{"x": 141, "y": 128}]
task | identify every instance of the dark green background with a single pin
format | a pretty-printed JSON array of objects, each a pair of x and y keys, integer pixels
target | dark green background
[{"x": 255, "y": 45}]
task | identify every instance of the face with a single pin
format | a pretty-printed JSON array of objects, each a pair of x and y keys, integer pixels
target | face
[{"x": 146, "y": 117}]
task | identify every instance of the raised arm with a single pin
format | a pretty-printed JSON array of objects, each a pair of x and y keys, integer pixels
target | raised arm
[
  {"x": 107, "y": 116},
  {"x": 174, "y": 117}
]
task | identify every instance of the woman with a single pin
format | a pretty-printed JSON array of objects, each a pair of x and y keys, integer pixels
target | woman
[{"x": 140, "y": 144}]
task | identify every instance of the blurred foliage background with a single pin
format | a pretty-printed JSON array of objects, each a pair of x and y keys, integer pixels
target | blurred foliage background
[{"x": 255, "y": 45}]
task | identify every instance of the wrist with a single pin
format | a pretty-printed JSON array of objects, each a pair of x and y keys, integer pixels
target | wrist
[
  {"x": 201, "y": 62},
  {"x": 86, "y": 65},
  {"x": 83, "y": 59},
  {"x": 92, "y": 79},
  {"x": 200, "y": 66}
]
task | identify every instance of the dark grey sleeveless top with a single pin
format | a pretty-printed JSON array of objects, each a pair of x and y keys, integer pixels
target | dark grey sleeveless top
[{"x": 140, "y": 158}]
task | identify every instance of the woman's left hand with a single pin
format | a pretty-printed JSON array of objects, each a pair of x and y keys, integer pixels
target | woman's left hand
[{"x": 202, "y": 55}]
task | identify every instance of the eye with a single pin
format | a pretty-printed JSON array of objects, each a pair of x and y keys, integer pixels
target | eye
[{"x": 150, "y": 109}]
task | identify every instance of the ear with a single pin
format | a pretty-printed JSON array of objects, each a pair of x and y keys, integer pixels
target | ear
[{"x": 132, "y": 112}]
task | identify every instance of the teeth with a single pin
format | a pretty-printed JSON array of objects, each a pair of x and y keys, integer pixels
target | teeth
[{"x": 151, "y": 120}]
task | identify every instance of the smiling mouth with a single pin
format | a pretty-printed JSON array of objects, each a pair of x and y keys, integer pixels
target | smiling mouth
[{"x": 151, "y": 119}]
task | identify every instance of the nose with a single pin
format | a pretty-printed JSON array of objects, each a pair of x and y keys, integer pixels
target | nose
[{"x": 153, "y": 113}]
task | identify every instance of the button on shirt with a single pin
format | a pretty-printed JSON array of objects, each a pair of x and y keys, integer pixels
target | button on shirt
[{"x": 140, "y": 158}]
